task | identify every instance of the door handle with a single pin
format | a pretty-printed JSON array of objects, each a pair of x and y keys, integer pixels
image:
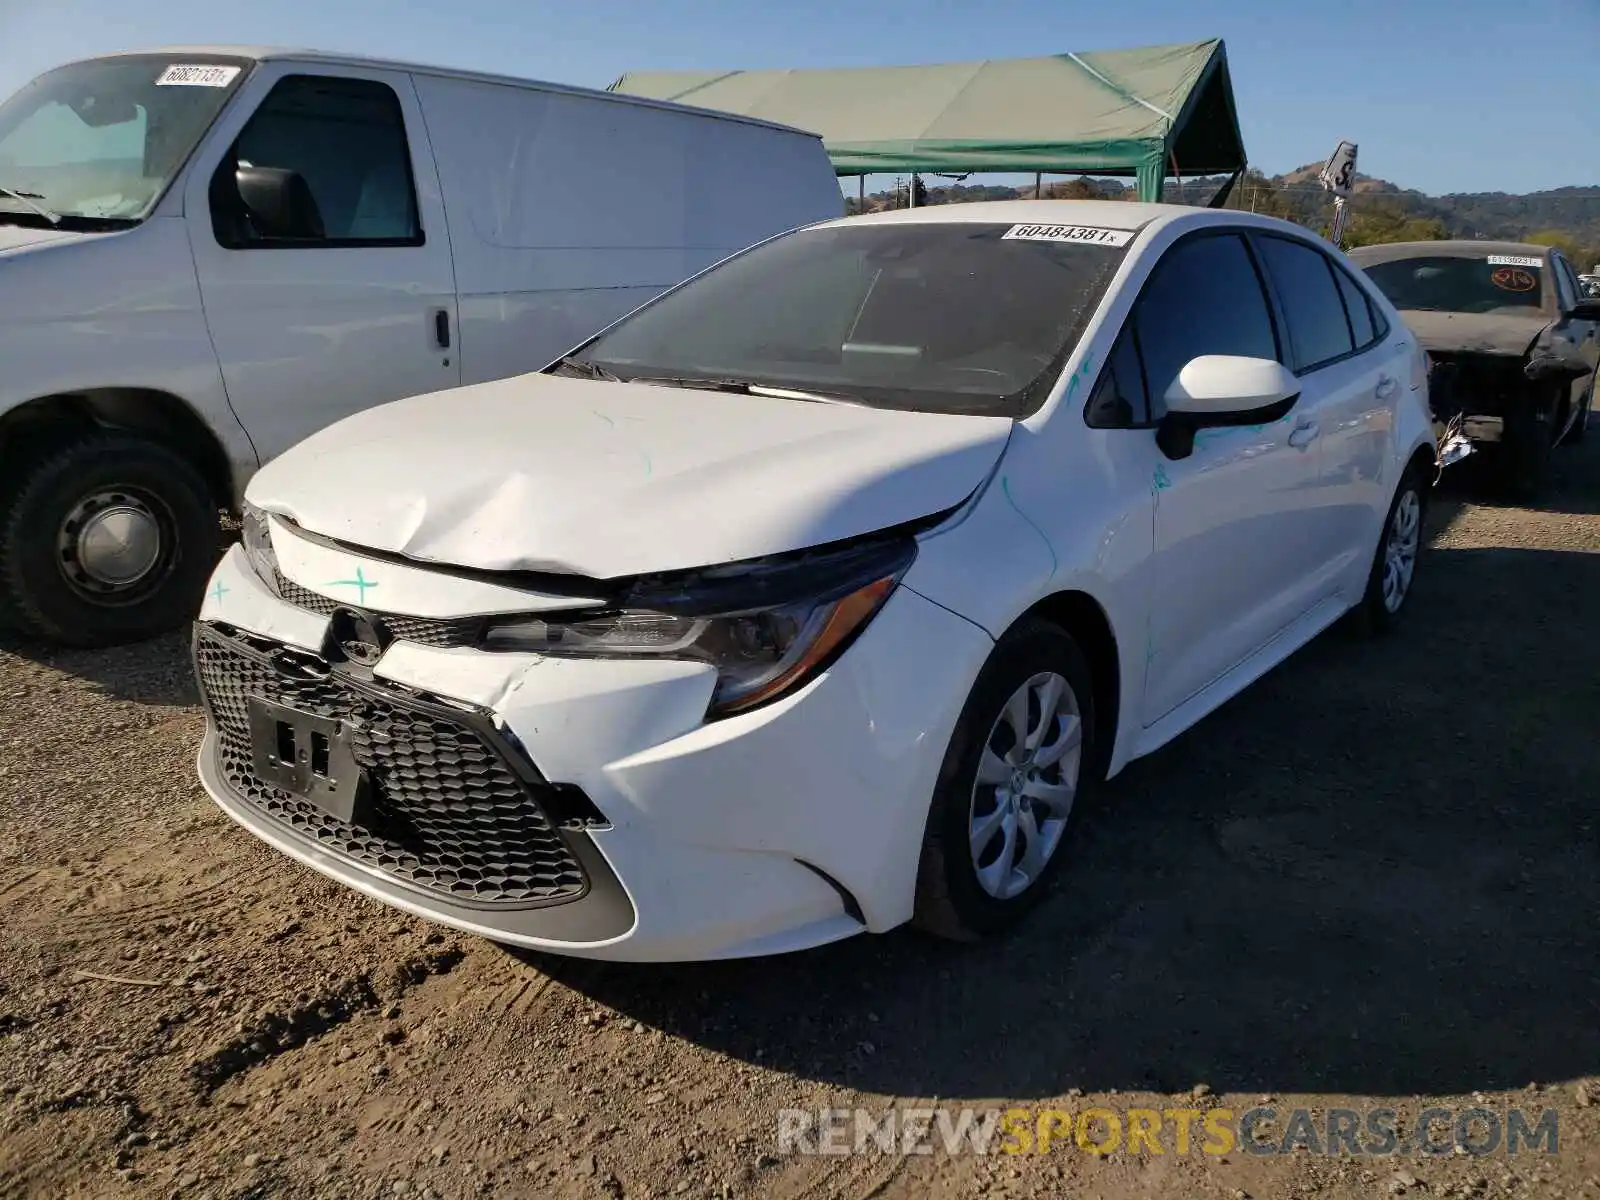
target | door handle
[
  {"x": 1304, "y": 434},
  {"x": 441, "y": 328},
  {"x": 1386, "y": 386}
]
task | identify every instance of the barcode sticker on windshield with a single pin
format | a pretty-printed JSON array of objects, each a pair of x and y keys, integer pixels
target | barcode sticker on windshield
[
  {"x": 197, "y": 75},
  {"x": 1513, "y": 260},
  {"x": 1068, "y": 233}
]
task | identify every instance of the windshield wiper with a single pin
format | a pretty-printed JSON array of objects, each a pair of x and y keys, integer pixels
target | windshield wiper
[
  {"x": 744, "y": 388},
  {"x": 587, "y": 369},
  {"x": 27, "y": 200}
]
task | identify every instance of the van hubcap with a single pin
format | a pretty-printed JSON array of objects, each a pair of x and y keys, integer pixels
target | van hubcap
[
  {"x": 110, "y": 541},
  {"x": 1027, "y": 779}
]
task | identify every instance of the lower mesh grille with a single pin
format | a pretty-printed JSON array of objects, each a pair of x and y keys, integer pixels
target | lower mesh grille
[
  {"x": 447, "y": 813},
  {"x": 446, "y": 632}
]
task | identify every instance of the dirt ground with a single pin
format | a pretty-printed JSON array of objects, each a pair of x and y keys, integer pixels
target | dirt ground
[{"x": 1372, "y": 880}]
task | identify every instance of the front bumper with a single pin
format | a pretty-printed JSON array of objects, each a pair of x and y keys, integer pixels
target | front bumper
[{"x": 790, "y": 826}]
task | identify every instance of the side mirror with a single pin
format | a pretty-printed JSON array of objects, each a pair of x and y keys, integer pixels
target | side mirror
[
  {"x": 279, "y": 203},
  {"x": 1221, "y": 390},
  {"x": 1588, "y": 310}
]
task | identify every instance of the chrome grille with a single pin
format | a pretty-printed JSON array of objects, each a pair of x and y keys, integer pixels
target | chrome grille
[
  {"x": 445, "y": 632},
  {"x": 448, "y": 812}
]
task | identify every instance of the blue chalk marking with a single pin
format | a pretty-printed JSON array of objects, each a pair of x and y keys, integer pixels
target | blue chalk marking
[
  {"x": 603, "y": 417},
  {"x": 361, "y": 583},
  {"x": 1005, "y": 486},
  {"x": 219, "y": 591},
  {"x": 1160, "y": 482}
]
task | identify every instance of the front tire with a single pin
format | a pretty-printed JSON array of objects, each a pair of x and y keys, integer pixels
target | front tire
[
  {"x": 109, "y": 540},
  {"x": 1013, "y": 777}
]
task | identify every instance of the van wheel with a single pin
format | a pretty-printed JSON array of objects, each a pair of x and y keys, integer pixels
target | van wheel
[
  {"x": 1013, "y": 776},
  {"x": 109, "y": 540}
]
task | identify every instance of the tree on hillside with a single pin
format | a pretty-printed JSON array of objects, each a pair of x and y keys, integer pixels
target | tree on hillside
[
  {"x": 1080, "y": 188},
  {"x": 1372, "y": 222},
  {"x": 1581, "y": 257},
  {"x": 919, "y": 191}
]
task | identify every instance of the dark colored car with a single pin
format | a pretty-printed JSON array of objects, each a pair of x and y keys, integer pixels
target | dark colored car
[{"x": 1511, "y": 338}]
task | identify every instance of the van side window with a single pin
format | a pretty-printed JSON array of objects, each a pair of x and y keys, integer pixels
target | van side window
[
  {"x": 323, "y": 162},
  {"x": 1204, "y": 297}
]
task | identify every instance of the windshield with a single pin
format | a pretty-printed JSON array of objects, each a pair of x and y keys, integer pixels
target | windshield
[
  {"x": 952, "y": 317},
  {"x": 100, "y": 140},
  {"x": 1461, "y": 285}
]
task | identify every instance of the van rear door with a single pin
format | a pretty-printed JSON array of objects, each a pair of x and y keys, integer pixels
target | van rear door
[{"x": 331, "y": 290}]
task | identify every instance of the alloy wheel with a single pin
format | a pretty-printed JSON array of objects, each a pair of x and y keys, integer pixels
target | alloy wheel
[
  {"x": 1027, "y": 780},
  {"x": 1400, "y": 549}
]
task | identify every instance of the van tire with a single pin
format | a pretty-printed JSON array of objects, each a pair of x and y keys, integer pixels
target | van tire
[{"x": 56, "y": 591}]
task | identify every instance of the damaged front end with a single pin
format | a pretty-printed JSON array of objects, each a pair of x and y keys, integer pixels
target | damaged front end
[{"x": 1515, "y": 403}]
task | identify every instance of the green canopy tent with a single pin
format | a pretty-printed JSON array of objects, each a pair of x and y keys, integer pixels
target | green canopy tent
[{"x": 1143, "y": 113}]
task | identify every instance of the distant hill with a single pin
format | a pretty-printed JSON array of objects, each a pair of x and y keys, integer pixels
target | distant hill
[{"x": 1379, "y": 210}]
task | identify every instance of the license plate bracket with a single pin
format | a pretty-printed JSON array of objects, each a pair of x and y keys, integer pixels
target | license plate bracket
[{"x": 307, "y": 755}]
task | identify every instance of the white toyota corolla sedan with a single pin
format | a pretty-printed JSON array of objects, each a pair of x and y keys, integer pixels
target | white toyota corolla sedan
[{"x": 809, "y": 598}]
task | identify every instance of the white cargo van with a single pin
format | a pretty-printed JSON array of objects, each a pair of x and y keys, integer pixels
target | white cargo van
[{"x": 207, "y": 255}]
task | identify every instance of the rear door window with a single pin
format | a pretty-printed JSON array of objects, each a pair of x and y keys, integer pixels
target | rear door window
[{"x": 1319, "y": 328}]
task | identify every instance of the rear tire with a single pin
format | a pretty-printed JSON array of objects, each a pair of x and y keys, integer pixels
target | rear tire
[
  {"x": 1003, "y": 810},
  {"x": 1400, "y": 546},
  {"x": 106, "y": 541}
]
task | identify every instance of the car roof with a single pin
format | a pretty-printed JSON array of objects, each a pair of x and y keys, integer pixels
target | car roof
[
  {"x": 1095, "y": 214},
  {"x": 1460, "y": 248},
  {"x": 333, "y": 58}
]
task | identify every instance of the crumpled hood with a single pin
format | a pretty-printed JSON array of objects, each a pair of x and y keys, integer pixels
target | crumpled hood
[
  {"x": 20, "y": 237},
  {"x": 600, "y": 479},
  {"x": 1483, "y": 333}
]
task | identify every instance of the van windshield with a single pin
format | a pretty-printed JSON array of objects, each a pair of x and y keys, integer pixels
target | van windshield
[
  {"x": 99, "y": 141},
  {"x": 941, "y": 317}
]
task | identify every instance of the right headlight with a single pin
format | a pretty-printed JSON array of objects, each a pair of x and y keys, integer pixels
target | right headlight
[
  {"x": 767, "y": 627},
  {"x": 257, "y": 539}
]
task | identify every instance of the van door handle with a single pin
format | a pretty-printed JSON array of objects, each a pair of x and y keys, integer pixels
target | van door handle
[
  {"x": 1304, "y": 434},
  {"x": 441, "y": 328},
  {"x": 1386, "y": 386}
]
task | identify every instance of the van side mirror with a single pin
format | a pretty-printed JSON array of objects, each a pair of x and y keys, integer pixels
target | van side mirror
[
  {"x": 1220, "y": 390},
  {"x": 279, "y": 204},
  {"x": 1588, "y": 310}
]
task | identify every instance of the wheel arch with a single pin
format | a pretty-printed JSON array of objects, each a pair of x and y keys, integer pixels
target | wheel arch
[
  {"x": 1082, "y": 616},
  {"x": 39, "y": 426}
]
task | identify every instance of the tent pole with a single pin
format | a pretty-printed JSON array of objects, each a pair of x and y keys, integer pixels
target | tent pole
[
  {"x": 861, "y": 192},
  {"x": 1172, "y": 157},
  {"x": 911, "y": 192},
  {"x": 1038, "y": 185}
]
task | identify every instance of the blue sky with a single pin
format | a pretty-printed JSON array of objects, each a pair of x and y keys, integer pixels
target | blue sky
[{"x": 1469, "y": 95}]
